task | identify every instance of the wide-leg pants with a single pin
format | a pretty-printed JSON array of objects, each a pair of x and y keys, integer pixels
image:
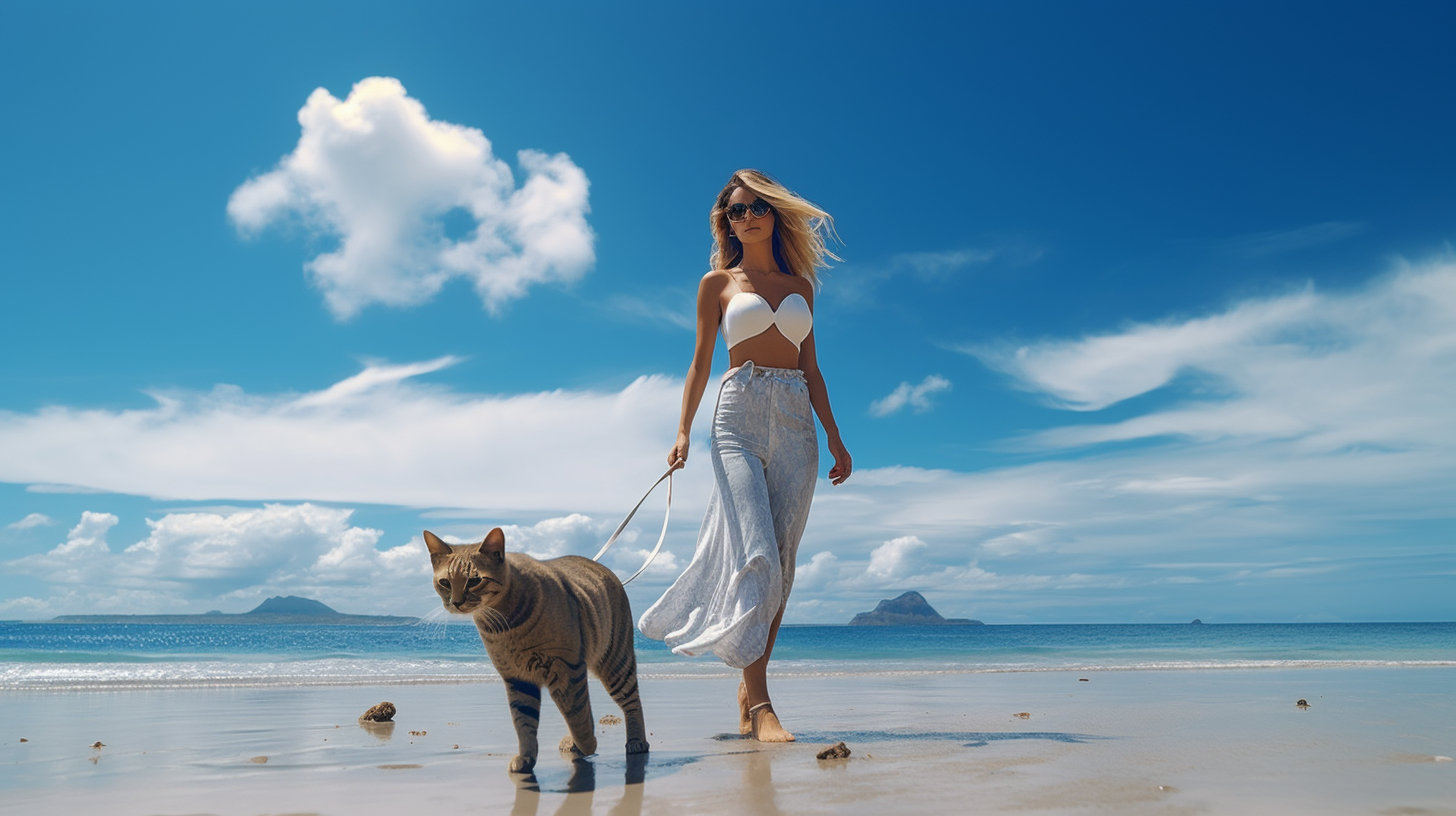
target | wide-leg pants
[{"x": 765, "y": 455}]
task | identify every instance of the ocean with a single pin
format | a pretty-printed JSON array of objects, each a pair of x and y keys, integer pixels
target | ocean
[{"x": 39, "y": 656}]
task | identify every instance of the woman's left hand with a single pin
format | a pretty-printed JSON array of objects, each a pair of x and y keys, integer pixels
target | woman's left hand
[{"x": 842, "y": 462}]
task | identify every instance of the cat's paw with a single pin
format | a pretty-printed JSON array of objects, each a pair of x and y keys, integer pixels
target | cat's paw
[
  {"x": 522, "y": 764},
  {"x": 637, "y": 746},
  {"x": 569, "y": 747}
]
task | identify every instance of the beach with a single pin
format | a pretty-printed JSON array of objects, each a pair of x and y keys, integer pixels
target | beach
[{"x": 1373, "y": 740}]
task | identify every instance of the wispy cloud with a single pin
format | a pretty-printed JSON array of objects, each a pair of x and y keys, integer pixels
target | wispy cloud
[
  {"x": 377, "y": 173},
  {"x": 936, "y": 264},
  {"x": 915, "y": 396},
  {"x": 31, "y": 521},
  {"x": 668, "y": 308},
  {"x": 376, "y": 437},
  {"x": 1278, "y": 241}
]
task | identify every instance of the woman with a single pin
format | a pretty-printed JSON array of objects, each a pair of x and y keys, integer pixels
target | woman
[{"x": 768, "y": 244}]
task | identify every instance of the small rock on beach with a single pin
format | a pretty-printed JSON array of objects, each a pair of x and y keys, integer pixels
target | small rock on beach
[
  {"x": 610, "y": 719},
  {"x": 384, "y": 712},
  {"x": 836, "y": 751}
]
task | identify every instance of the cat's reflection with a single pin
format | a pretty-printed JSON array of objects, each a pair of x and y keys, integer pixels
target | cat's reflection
[{"x": 581, "y": 789}]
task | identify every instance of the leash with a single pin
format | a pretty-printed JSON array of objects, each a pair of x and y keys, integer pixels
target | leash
[{"x": 667, "y": 477}]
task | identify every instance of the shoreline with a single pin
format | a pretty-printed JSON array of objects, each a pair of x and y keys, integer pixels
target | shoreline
[
  {"x": 268, "y": 675},
  {"x": 1191, "y": 741}
]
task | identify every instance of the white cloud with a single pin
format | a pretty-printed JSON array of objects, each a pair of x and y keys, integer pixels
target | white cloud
[
  {"x": 194, "y": 561},
  {"x": 375, "y": 438},
  {"x": 31, "y": 521},
  {"x": 916, "y": 396},
  {"x": 1279, "y": 366},
  {"x": 1277, "y": 241},
  {"x": 822, "y": 568},
  {"x": 895, "y": 558},
  {"x": 935, "y": 264},
  {"x": 377, "y": 173},
  {"x": 673, "y": 309}
]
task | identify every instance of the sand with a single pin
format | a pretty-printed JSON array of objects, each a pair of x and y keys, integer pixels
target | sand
[{"x": 1372, "y": 741}]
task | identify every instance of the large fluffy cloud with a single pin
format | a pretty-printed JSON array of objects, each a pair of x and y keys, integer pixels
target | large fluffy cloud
[{"x": 378, "y": 174}]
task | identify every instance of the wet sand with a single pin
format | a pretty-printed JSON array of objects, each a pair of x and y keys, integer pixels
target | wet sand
[{"x": 1372, "y": 741}]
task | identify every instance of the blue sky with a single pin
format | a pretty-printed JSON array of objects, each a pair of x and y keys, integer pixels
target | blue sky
[{"x": 1147, "y": 310}]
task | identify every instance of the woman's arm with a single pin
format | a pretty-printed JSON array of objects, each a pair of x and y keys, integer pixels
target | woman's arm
[
  {"x": 819, "y": 398},
  {"x": 710, "y": 291}
]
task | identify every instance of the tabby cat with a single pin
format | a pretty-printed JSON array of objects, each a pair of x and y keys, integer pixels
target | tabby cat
[{"x": 545, "y": 623}]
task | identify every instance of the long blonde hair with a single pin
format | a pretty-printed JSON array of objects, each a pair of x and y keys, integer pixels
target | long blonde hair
[{"x": 800, "y": 228}]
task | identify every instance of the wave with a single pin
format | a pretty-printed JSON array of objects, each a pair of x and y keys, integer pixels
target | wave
[{"x": 94, "y": 676}]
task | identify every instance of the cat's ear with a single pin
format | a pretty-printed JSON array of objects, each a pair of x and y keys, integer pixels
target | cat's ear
[
  {"x": 494, "y": 544},
  {"x": 437, "y": 547}
]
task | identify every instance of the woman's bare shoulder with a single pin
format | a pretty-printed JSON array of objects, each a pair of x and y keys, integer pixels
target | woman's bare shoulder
[
  {"x": 716, "y": 281},
  {"x": 803, "y": 287}
]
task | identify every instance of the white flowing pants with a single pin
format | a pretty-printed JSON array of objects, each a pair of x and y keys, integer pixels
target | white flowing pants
[{"x": 765, "y": 454}]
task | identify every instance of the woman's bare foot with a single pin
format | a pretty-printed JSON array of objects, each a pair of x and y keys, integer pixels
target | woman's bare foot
[
  {"x": 745, "y": 721},
  {"x": 766, "y": 725}
]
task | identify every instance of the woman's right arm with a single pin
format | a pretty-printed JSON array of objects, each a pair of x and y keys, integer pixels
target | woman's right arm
[{"x": 710, "y": 292}]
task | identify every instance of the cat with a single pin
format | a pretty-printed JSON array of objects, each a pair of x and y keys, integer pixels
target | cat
[{"x": 545, "y": 623}]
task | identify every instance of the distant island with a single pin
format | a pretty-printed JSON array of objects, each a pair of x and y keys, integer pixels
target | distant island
[
  {"x": 275, "y": 610},
  {"x": 910, "y": 609}
]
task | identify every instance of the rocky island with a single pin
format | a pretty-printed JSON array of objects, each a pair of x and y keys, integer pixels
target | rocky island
[
  {"x": 910, "y": 609},
  {"x": 276, "y": 610}
]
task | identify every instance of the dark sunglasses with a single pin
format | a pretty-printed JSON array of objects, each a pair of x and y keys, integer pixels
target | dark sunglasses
[{"x": 739, "y": 212}]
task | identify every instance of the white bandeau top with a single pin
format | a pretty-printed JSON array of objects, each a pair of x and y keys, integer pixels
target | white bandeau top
[{"x": 749, "y": 315}]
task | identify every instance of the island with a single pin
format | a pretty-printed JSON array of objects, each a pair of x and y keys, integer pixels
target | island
[
  {"x": 910, "y": 609},
  {"x": 274, "y": 611}
]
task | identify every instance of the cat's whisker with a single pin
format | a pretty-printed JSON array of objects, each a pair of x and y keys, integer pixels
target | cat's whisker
[{"x": 434, "y": 622}]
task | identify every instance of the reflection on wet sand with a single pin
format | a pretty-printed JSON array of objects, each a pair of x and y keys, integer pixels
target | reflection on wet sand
[{"x": 580, "y": 789}]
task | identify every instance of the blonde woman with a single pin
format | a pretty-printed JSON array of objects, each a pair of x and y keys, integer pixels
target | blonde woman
[{"x": 768, "y": 245}]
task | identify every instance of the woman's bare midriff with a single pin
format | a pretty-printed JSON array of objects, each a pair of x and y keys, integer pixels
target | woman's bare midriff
[{"x": 771, "y": 349}]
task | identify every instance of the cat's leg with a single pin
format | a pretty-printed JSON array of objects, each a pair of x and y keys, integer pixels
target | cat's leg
[
  {"x": 573, "y": 699},
  {"x": 620, "y": 681},
  {"x": 525, "y": 700}
]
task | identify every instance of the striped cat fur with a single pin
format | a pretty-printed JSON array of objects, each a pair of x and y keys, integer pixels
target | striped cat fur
[{"x": 545, "y": 624}]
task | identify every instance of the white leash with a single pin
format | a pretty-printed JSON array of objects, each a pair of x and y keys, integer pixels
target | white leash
[
  {"x": 668, "y": 476},
  {"x": 661, "y": 536}
]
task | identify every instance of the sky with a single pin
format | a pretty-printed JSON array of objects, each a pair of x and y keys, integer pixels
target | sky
[{"x": 1146, "y": 312}]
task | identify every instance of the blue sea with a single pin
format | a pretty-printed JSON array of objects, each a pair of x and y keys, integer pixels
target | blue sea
[{"x": 99, "y": 656}]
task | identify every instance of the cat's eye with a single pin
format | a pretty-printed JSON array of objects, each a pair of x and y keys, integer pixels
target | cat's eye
[
  {"x": 445, "y": 582},
  {"x": 473, "y": 582}
]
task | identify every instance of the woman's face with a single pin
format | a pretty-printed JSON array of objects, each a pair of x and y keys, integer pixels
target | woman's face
[{"x": 754, "y": 228}]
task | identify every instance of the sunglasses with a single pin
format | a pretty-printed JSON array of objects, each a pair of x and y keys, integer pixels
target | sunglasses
[{"x": 739, "y": 212}]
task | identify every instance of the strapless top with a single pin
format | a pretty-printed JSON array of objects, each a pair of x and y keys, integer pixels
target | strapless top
[{"x": 749, "y": 315}]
